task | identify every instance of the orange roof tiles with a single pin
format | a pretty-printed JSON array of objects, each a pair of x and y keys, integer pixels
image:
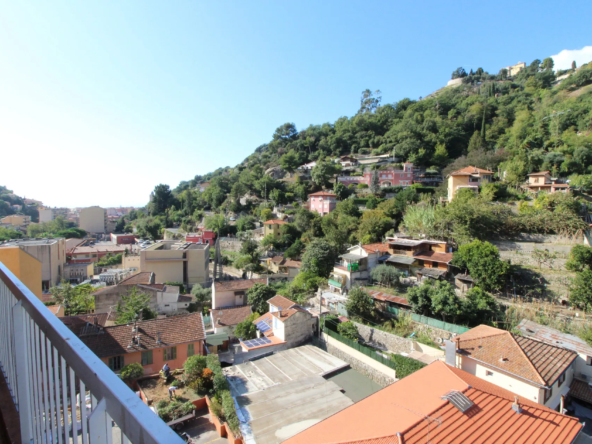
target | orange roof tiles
[
  {"x": 470, "y": 170},
  {"x": 524, "y": 357},
  {"x": 174, "y": 330},
  {"x": 230, "y": 315},
  {"x": 238, "y": 284},
  {"x": 412, "y": 410},
  {"x": 274, "y": 221},
  {"x": 144, "y": 277},
  {"x": 293, "y": 264},
  {"x": 285, "y": 314},
  {"x": 373, "y": 248},
  {"x": 280, "y": 301}
]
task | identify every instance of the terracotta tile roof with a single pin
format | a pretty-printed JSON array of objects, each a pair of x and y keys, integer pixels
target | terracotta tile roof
[
  {"x": 277, "y": 259},
  {"x": 173, "y": 330},
  {"x": 98, "y": 249},
  {"x": 286, "y": 314},
  {"x": 554, "y": 337},
  {"x": 274, "y": 221},
  {"x": 78, "y": 323},
  {"x": 524, "y": 357},
  {"x": 470, "y": 170},
  {"x": 375, "y": 248},
  {"x": 323, "y": 193},
  {"x": 144, "y": 277},
  {"x": 280, "y": 301},
  {"x": 185, "y": 298},
  {"x": 380, "y": 296},
  {"x": 433, "y": 256},
  {"x": 397, "y": 414},
  {"x": 225, "y": 316},
  {"x": 159, "y": 287},
  {"x": 239, "y": 284},
  {"x": 581, "y": 390},
  {"x": 541, "y": 173}
]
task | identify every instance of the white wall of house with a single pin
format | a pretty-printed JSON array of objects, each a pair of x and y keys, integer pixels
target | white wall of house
[
  {"x": 558, "y": 390},
  {"x": 227, "y": 298},
  {"x": 502, "y": 379},
  {"x": 278, "y": 329},
  {"x": 582, "y": 368}
]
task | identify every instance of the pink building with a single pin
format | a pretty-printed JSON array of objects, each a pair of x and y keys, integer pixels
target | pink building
[
  {"x": 201, "y": 237},
  {"x": 387, "y": 178},
  {"x": 322, "y": 202}
]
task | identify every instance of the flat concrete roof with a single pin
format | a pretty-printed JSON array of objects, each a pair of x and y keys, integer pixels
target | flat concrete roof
[{"x": 285, "y": 393}]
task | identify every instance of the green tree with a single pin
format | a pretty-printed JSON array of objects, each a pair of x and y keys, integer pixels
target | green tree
[
  {"x": 289, "y": 161},
  {"x": 132, "y": 371},
  {"x": 548, "y": 63},
  {"x": 258, "y": 295},
  {"x": 162, "y": 199},
  {"x": 266, "y": 214},
  {"x": 348, "y": 330},
  {"x": 482, "y": 261},
  {"x": 458, "y": 73},
  {"x": 445, "y": 302},
  {"x": 245, "y": 223},
  {"x": 319, "y": 258},
  {"x": 359, "y": 303},
  {"x": 374, "y": 183},
  {"x": 120, "y": 225},
  {"x": 322, "y": 172},
  {"x": 247, "y": 329},
  {"x": 133, "y": 306},
  {"x": 216, "y": 223},
  {"x": 194, "y": 367},
  {"x": 370, "y": 101},
  {"x": 580, "y": 258},
  {"x": 76, "y": 300},
  {"x": 373, "y": 225},
  {"x": 340, "y": 190},
  {"x": 387, "y": 275},
  {"x": 295, "y": 250},
  {"x": 479, "y": 307},
  {"x": 203, "y": 295},
  {"x": 573, "y": 65},
  {"x": 420, "y": 298},
  {"x": 581, "y": 290}
]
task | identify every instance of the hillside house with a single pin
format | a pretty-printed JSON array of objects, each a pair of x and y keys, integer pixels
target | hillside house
[
  {"x": 225, "y": 319},
  {"x": 273, "y": 227},
  {"x": 148, "y": 343},
  {"x": 469, "y": 177},
  {"x": 232, "y": 293},
  {"x": 534, "y": 370},
  {"x": 418, "y": 257},
  {"x": 543, "y": 181},
  {"x": 322, "y": 202}
]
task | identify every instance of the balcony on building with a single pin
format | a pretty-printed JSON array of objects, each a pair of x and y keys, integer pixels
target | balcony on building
[{"x": 54, "y": 389}]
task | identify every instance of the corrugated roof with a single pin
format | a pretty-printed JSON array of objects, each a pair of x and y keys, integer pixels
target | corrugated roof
[
  {"x": 381, "y": 296},
  {"x": 554, "y": 337},
  {"x": 144, "y": 277},
  {"x": 526, "y": 358},
  {"x": 413, "y": 408},
  {"x": 433, "y": 256},
  {"x": 405, "y": 260},
  {"x": 432, "y": 272}
]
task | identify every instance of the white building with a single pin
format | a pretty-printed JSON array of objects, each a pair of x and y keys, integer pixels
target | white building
[{"x": 532, "y": 369}]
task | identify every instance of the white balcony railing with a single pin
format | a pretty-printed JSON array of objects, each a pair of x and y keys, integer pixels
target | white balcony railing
[{"x": 62, "y": 391}]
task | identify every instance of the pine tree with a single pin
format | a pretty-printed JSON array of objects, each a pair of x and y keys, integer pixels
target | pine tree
[
  {"x": 573, "y": 65},
  {"x": 374, "y": 182}
]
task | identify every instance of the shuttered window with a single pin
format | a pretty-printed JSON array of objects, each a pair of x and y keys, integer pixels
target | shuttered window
[
  {"x": 116, "y": 363},
  {"x": 190, "y": 349},
  {"x": 147, "y": 357},
  {"x": 170, "y": 353}
]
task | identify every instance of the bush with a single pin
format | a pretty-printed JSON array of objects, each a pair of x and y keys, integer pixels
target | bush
[
  {"x": 348, "y": 330},
  {"x": 405, "y": 366},
  {"x": 132, "y": 371},
  {"x": 161, "y": 404},
  {"x": 175, "y": 383},
  {"x": 194, "y": 366}
]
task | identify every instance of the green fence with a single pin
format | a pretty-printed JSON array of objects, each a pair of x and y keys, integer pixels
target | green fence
[
  {"x": 361, "y": 348},
  {"x": 453, "y": 328}
]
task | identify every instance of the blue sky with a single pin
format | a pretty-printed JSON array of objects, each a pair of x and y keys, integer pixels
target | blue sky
[{"x": 101, "y": 101}]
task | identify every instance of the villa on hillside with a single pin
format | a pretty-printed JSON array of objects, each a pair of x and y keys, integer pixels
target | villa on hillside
[{"x": 469, "y": 177}]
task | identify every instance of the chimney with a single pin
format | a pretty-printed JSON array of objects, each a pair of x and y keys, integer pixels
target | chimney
[
  {"x": 561, "y": 405},
  {"x": 516, "y": 406},
  {"x": 450, "y": 348}
]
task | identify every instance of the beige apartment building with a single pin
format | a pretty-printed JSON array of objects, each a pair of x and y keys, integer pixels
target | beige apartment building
[
  {"x": 469, "y": 177},
  {"x": 24, "y": 266},
  {"x": 50, "y": 252},
  {"x": 49, "y": 214},
  {"x": 93, "y": 220},
  {"x": 177, "y": 261},
  {"x": 20, "y": 221}
]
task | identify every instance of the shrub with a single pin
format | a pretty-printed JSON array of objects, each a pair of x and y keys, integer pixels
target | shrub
[
  {"x": 405, "y": 366},
  {"x": 161, "y": 404},
  {"x": 175, "y": 383},
  {"x": 132, "y": 371},
  {"x": 348, "y": 330},
  {"x": 194, "y": 365}
]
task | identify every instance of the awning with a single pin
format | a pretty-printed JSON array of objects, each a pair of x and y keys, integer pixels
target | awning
[
  {"x": 404, "y": 260},
  {"x": 216, "y": 339},
  {"x": 351, "y": 257}
]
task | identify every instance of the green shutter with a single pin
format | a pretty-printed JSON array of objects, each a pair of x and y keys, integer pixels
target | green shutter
[
  {"x": 190, "y": 350},
  {"x": 147, "y": 357},
  {"x": 174, "y": 350}
]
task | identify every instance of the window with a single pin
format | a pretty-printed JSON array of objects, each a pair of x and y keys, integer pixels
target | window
[
  {"x": 548, "y": 394},
  {"x": 147, "y": 357},
  {"x": 561, "y": 380},
  {"x": 170, "y": 353},
  {"x": 190, "y": 349},
  {"x": 473, "y": 179},
  {"x": 588, "y": 360},
  {"x": 488, "y": 373},
  {"x": 115, "y": 363}
]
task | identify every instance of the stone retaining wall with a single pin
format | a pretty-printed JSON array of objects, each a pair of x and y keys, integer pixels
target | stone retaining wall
[
  {"x": 384, "y": 340},
  {"x": 369, "y": 371}
]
